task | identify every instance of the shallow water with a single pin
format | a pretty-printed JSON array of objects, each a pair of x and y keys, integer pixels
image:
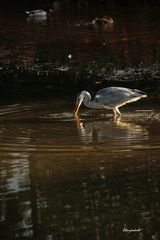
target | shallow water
[{"x": 90, "y": 177}]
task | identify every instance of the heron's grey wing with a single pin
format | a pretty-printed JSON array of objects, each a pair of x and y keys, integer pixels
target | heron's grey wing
[
  {"x": 115, "y": 96},
  {"x": 105, "y": 99}
]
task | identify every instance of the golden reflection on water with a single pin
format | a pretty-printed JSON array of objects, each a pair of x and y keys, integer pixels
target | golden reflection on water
[
  {"x": 111, "y": 130},
  {"x": 83, "y": 179}
]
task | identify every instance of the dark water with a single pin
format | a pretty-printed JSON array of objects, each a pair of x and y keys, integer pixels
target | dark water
[
  {"x": 133, "y": 38},
  {"x": 87, "y": 178},
  {"x": 91, "y": 177}
]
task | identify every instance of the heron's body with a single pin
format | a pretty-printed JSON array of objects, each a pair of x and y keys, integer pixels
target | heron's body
[{"x": 110, "y": 98}]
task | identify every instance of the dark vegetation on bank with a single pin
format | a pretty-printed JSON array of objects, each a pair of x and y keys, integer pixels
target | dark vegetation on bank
[{"x": 45, "y": 80}]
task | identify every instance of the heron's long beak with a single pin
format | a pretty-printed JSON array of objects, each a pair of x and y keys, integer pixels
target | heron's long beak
[{"x": 77, "y": 107}]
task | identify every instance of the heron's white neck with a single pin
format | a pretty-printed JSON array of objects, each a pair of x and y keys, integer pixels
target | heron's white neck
[{"x": 87, "y": 101}]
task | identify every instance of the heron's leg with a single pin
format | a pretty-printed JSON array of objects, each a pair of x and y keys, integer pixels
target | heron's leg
[
  {"x": 117, "y": 110},
  {"x": 115, "y": 115}
]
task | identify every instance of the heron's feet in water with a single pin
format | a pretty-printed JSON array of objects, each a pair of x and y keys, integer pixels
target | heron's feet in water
[{"x": 117, "y": 114}]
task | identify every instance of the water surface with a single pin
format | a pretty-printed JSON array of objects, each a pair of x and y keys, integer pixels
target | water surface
[
  {"x": 66, "y": 178},
  {"x": 133, "y": 38}
]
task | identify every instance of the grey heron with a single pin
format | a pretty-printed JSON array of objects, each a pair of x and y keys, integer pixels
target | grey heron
[{"x": 109, "y": 98}]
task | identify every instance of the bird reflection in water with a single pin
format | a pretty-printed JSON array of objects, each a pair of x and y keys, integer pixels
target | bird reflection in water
[{"x": 110, "y": 131}]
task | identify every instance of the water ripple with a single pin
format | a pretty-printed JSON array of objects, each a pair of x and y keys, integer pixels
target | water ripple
[{"x": 41, "y": 127}]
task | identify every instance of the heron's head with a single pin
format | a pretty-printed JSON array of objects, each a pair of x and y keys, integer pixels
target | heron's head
[{"x": 79, "y": 101}]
